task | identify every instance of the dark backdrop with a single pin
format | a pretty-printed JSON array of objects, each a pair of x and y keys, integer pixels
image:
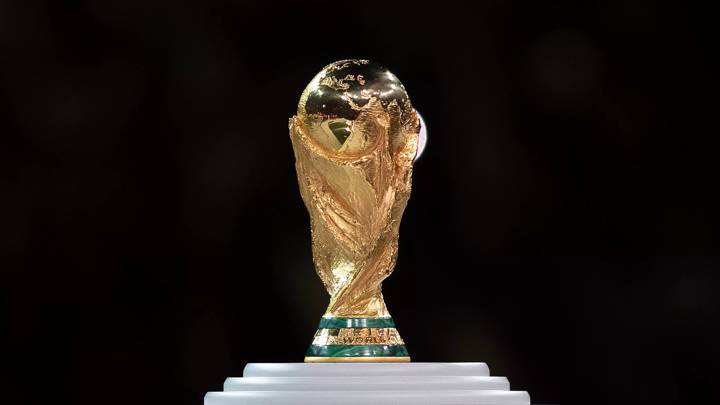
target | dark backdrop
[{"x": 563, "y": 225}]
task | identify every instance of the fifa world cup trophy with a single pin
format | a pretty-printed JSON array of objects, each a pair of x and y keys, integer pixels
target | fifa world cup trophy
[{"x": 355, "y": 138}]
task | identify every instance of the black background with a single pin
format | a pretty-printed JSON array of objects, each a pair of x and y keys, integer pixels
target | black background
[{"x": 563, "y": 225}]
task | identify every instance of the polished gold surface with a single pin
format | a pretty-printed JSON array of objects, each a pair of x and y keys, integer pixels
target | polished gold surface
[
  {"x": 377, "y": 359},
  {"x": 355, "y": 139},
  {"x": 358, "y": 336}
]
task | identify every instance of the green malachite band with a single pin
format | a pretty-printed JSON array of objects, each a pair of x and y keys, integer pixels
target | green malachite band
[
  {"x": 335, "y": 323},
  {"x": 357, "y": 351}
]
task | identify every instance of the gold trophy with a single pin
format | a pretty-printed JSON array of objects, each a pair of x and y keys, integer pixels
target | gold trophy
[{"x": 355, "y": 138}]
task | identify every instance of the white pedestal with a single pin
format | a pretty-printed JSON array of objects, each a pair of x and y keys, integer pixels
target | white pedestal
[{"x": 367, "y": 383}]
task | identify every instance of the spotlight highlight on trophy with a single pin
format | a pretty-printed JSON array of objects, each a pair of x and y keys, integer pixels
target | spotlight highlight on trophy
[{"x": 422, "y": 137}]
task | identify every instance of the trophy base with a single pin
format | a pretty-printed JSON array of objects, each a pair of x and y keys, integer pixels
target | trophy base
[
  {"x": 369, "y": 359},
  {"x": 367, "y": 383},
  {"x": 359, "y": 340}
]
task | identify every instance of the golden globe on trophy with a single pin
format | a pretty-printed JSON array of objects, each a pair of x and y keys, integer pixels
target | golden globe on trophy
[{"x": 355, "y": 138}]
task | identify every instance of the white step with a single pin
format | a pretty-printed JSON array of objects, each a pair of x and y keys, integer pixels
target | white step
[
  {"x": 364, "y": 369},
  {"x": 366, "y": 383},
  {"x": 457, "y": 397}
]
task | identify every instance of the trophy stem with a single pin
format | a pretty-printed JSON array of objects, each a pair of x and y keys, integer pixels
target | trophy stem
[{"x": 369, "y": 304}]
